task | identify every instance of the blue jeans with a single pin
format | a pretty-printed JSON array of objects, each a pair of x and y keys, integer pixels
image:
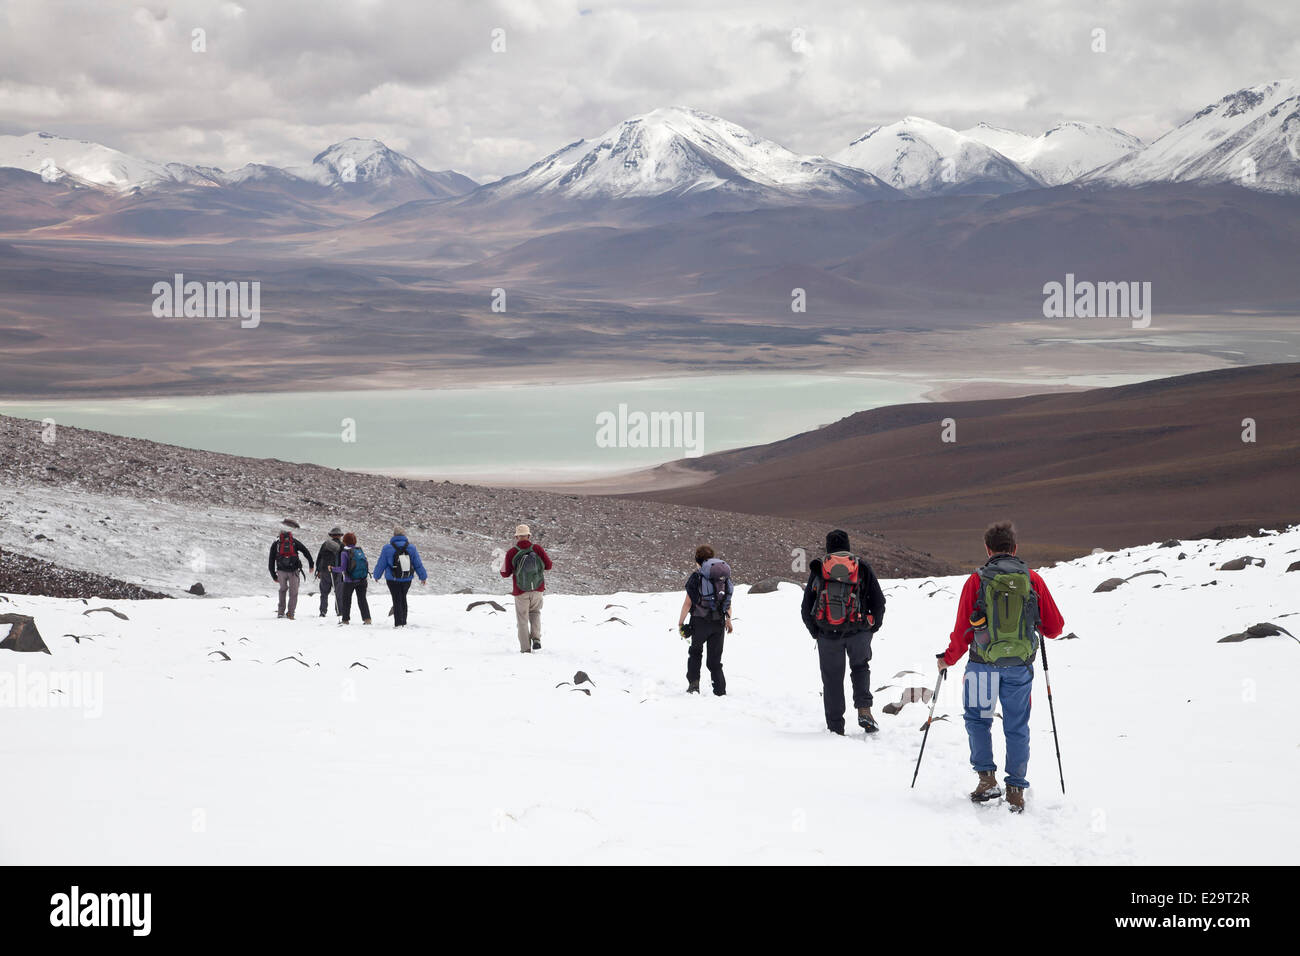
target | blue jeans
[{"x": 983, "y": 686}]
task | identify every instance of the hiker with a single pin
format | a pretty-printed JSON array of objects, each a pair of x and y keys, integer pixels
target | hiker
[
  {"x": 1004, "y": 608},
  {"x": 525, "y": 565},
  {"x": 327, "y": 558},
  {"x": 353, "y": 572},
  {"x": 708, "y": 602},
  {"x": 285, "y": 566},
  {"x": 843, "y": 607},
  {"x": 398, "y": 564}
]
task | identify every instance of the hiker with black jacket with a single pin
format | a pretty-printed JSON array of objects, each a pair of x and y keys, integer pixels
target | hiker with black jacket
[
  {"x": 327, "y": 558},
  {"x": 843, "y": 607},
  {"x": 285, "y": 566},
  {"x": 708, "y": 602},
  {"x": 525, "y": 565}
]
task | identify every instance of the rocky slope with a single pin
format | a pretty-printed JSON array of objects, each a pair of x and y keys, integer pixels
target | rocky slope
[{"x": 165, "y": 517}]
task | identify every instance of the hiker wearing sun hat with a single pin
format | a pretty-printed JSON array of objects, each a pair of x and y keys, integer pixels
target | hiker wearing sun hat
[
  {"x": 326, "y": 559},
  {"x": 525, "y": 564}
]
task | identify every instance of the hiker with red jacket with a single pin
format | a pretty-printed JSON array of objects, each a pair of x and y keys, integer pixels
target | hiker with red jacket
[
  {"x": 525, "y": 564},
  {"x": 1003, "y": 611},
  {"x": 843, "y": 607},
  {"x": 708, "y": 602},
  {"x": 285, "y": 567}
]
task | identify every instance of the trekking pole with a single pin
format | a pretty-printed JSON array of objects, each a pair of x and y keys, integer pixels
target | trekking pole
[
  {"x": 1055, "y": 739},
  {"x": 928, "y": 721}
]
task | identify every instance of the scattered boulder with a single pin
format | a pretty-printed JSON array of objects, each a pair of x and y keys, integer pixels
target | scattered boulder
[
  {"x": 765, "y": 586},
  {"x": 465, "y": 591},
  {"x": 23, "y": 635},
  {"x": 582, "y": 678},
  {"x": 291, "y": 523},
  {"x": 910, "y": 695},
  {"x": 1293, "y": 566},
  {"x": 221, "y": 654},
  {"x": 1182, "y": 555},
  {"x": 401, "y": 484},
  {"x": 197, "y": 588},
  {"x": 1109, "y": 584},
  {"x": 1171, "y": 543},
  {"x": 492, "y": 604},
  {"x": 611, "y": 619},
  {"x": 1258, "y": 630},
  {"x": 117, "y": 614},
  {"x": 1068, "y": 637},
  {"x": 1240, "y": 564}
]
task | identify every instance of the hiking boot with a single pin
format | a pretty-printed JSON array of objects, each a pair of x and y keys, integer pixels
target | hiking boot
[
  {"x": 836, "y": 730},
  {"x": 1016, "y": 799},
  {"x": 322, "y": 613},
  {"x": 693, "y": 687},
  {"x": 366, "y": 621},
  {"x": 537, "y": 644},
  {"x": 866, "y": 721},
  {"x": 278, "y": 615},
  {"x": 289, "y": 616},
  {"x": 987, "y": 789}
]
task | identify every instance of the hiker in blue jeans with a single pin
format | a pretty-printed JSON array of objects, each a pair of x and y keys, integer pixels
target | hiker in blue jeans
[{"x": 1004, "y": 611}]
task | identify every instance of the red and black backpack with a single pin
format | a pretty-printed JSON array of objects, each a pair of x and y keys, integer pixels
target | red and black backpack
[
  {"x": 286, "y": 557},
  {"x": 838, "y": 602}
]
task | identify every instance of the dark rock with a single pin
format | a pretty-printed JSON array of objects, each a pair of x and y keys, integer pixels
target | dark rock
[
  {"x": 117, "y": 614},
  {"x": 23, "y": 635},
  {"x": 1182, "y": 555},
  {"x": 765, "y": 586},
  {"x": 291, "y": 523},
  {"x": 401, "y": 484},
  {"x": 1240, "y": 564},
  {"x": 1109, "y": 584},
  {"x": 465, "y": 591},
  {"x": 492, "y": 604},
  {"x": 1258, "y": 630},
  {"x": 1069, "y": 637},
  {"x": 581, "y": 678},
  {"x": 41, "y": 537},
  {"x": 1293, "y": 566},
  {"x": 1171, "y": 543},
  {"x": 197, "y": 588}
]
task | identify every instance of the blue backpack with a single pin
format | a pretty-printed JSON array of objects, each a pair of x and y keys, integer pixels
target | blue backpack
[{"x": 358, "y": 566}]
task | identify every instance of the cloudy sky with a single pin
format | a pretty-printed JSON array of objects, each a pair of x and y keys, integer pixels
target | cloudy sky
[{"x": 281, "y": 79}]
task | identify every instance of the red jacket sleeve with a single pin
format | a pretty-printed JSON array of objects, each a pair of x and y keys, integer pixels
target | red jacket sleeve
[
  {"x": 1053, "y": 623},
  {"x": 960, "y": 638},
  {"x": 541, "y": 553},
  {"x": 510, "y": 559}
]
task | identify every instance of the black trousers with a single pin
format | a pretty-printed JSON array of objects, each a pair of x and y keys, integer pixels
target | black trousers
[
  {"x": 708, "y": 634},
  {"x": 398, "y": 590},
  {"x": 833, "y": 651},
  {"x": 349, "y": 588},
  {"x": 328, "y": 586}
]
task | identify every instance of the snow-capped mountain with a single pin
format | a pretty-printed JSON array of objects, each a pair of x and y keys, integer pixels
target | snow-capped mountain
[
  {"x": 925, "y": 158},
  {"x": 1251, "y": 138},
  {"x": 361, "y": 165},
  {"x": 369, "y": 164},
  {"x": 54, "y": 157},
  {"x": 677, "y": 152},
  {"x": 1062, "y": 154}
]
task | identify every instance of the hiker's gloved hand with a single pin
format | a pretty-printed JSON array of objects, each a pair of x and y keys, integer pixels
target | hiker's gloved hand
[
  {"x": 686, "y": 631},
  {"x": 940, "y": 662}
]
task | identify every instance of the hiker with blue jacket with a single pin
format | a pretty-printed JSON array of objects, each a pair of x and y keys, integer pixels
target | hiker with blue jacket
[
  {"x": 398, "y": 564},
  {"x": 352, "y": 572},
  {"x": 708, "y": 602}
]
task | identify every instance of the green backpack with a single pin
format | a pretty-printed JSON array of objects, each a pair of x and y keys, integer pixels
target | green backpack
[
  {"x": 1006, "y": 621},
  {"x": 528, "y": 569}
]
